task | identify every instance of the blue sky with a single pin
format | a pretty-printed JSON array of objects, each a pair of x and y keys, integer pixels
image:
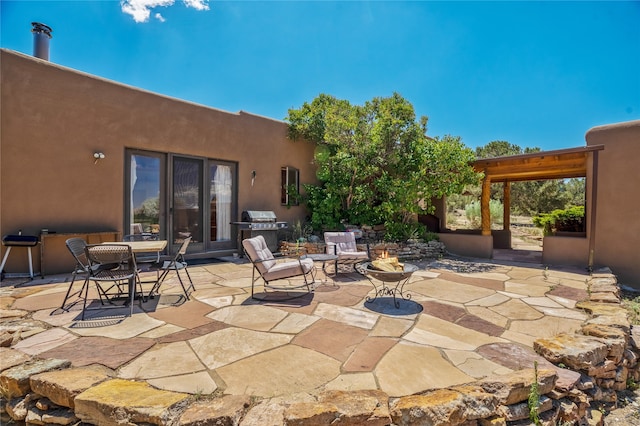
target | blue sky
[{"x": 531, "y": 73}]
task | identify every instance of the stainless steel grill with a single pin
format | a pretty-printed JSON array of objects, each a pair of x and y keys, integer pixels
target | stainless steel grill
[{"x": 260, "y": 222}]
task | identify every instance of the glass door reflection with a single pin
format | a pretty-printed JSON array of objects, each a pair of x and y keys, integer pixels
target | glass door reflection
[{"x": 187, "y": 200}]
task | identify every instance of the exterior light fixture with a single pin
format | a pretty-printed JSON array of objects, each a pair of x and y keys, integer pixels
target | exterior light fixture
[{"x": 98, "y": 156}]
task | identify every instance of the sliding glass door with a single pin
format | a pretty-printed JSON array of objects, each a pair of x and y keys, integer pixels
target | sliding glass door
[
  {"x": 146, "y": 204},
  {"x": 186, "y": 205},
  {"x": 188, "y": 197}
]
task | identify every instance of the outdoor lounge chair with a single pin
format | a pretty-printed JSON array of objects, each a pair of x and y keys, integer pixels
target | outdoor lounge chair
[
  {"x": 343, "y": 245},
  {"x": 281, "y": 269}
]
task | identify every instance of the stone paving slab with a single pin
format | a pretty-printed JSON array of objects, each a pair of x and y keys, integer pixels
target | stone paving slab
[
  {"x": 109, "y": 352},
  {"x": 187, "y": 315},
  {"x": 404, "y": 370},
  {"x": 254, "y": 317},
  {"x": 130, "y": 402},
  {"x": 231, "y": 344},
  {"x": 10, "y": 358},
  {"x": 282, "y": 371},
  {"x": 45, "y": 341},
  {"x": 166, "y": 360},
  {"x": 331, "y": 338}
]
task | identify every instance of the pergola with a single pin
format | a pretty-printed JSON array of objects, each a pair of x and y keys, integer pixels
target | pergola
[{"x": 559, "y": 164}]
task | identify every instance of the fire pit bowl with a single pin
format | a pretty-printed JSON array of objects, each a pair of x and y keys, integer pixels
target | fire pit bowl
[
  {"x": 399, "y": 277},
  {"x": 387, "y": 276}
]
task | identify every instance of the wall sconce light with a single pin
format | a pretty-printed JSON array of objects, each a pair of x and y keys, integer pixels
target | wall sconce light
[
  {"x": 253, "y": 177},
  {"x": 98, "y": 156}
]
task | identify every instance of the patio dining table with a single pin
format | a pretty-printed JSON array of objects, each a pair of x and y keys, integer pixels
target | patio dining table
[{"x": 145, "y": 246}]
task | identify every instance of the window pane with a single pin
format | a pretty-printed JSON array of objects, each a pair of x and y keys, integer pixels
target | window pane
[
  {"x": 187, "y": 183},
  {"x": 283, "y": 185},
  {"x": 289, "y": 186},
  {"x": 221, "y": 194},
  {"x": 145, "y": 194}
]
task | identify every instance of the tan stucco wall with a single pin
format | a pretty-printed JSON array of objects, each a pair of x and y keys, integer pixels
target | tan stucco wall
[
  {"x": 565, "y": 251},
  {"x": 468, "y": 245},
  {"x": 617, "y": 236},
  {"x": 53, "y": 119}
]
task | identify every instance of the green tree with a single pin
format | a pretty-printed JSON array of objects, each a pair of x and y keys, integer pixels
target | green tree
[
  {"x": 374, "y": 161},
  {"x": 501, "y": 149}
]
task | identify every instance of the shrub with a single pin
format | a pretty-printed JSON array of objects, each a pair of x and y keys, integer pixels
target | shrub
[
  {"x": 571, "y": 219},
  {"x": 397, "y": 231},
  {"x": 474, "y": 215}
]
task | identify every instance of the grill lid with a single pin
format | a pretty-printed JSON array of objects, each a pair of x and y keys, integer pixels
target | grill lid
[{"x": 258, "y": 216}]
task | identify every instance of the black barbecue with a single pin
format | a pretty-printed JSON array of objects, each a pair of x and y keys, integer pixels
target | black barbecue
[
  {"x": 18, "y": 240},
  {"x": 260, "y": 222}
]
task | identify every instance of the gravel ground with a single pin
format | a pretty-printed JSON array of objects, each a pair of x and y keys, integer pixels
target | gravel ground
[{"x": 628, "y": 413}]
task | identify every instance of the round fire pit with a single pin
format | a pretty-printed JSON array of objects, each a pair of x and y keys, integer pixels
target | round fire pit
[
  {"x": 398, "y": 277},
  {"x": 389, "y": 276}
]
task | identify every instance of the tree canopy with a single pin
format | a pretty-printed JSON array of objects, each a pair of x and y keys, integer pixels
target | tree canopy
[
  {"x": 375, "y": 163},
  {"x": 501, "y": 149}
]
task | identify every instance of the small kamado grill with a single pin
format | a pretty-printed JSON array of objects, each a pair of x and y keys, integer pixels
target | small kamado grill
[{"x": 260, "y": 222}]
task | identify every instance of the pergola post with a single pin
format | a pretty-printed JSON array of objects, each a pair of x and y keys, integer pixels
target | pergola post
[
  {"x": 485, "y": 213},
  {"x": 506, "y": 215}
]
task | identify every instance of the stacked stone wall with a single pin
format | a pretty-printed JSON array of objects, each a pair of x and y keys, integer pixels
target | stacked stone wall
[{"x": 405, "y": 251}]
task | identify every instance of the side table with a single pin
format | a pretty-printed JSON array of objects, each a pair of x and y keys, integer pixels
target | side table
[{"x": 324, "y": 258}]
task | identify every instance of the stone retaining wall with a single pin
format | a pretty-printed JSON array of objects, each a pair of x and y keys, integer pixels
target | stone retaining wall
[
  {"x": 413, "y": 250},
  {"x": 574, "y": 374}
]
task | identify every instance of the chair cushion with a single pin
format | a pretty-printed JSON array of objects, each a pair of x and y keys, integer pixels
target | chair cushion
[
  {"x": 343, "y": 242},
  {"x": 258, "y": 251},
  {"x": 288, "y": 269},
  {"x": 354, "y": 255}
]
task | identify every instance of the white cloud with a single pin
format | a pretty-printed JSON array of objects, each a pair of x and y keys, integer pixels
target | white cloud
[
  {"x": 197, "y": 4},
  {"x": 140, "y": 10}
]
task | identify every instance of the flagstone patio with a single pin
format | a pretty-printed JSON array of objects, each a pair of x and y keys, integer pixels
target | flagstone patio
[{"x": 465, "y": 320}]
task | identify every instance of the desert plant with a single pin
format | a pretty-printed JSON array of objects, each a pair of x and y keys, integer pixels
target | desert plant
[
  {"x": 301, "y": 231},
  {"x": 534, "y": 397},
  {"x": 632, "y": 305},
  {"x": 473, "y": 212}
]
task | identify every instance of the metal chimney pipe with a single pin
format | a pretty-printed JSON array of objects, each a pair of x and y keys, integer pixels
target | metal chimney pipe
[{"x": 41, "y": 37}]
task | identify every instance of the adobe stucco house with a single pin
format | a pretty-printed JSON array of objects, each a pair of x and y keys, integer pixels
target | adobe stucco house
[
  {"x": 169, "y": 166},
  {"x": 177, "y": 168}
]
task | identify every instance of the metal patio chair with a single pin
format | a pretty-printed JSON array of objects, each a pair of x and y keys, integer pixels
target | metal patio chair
[
  {"x": 176, "y": 264},
  {"x": 115, "y": 264},
  {"x": 270, "y": 269},
  {"x": 76, "y": 247}
]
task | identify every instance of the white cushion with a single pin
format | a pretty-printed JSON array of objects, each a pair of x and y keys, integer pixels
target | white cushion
[
  {"x": 258, "y": 251},
  {"x": 340, "y": 242},
  {"x": 288, "y": 269}
]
